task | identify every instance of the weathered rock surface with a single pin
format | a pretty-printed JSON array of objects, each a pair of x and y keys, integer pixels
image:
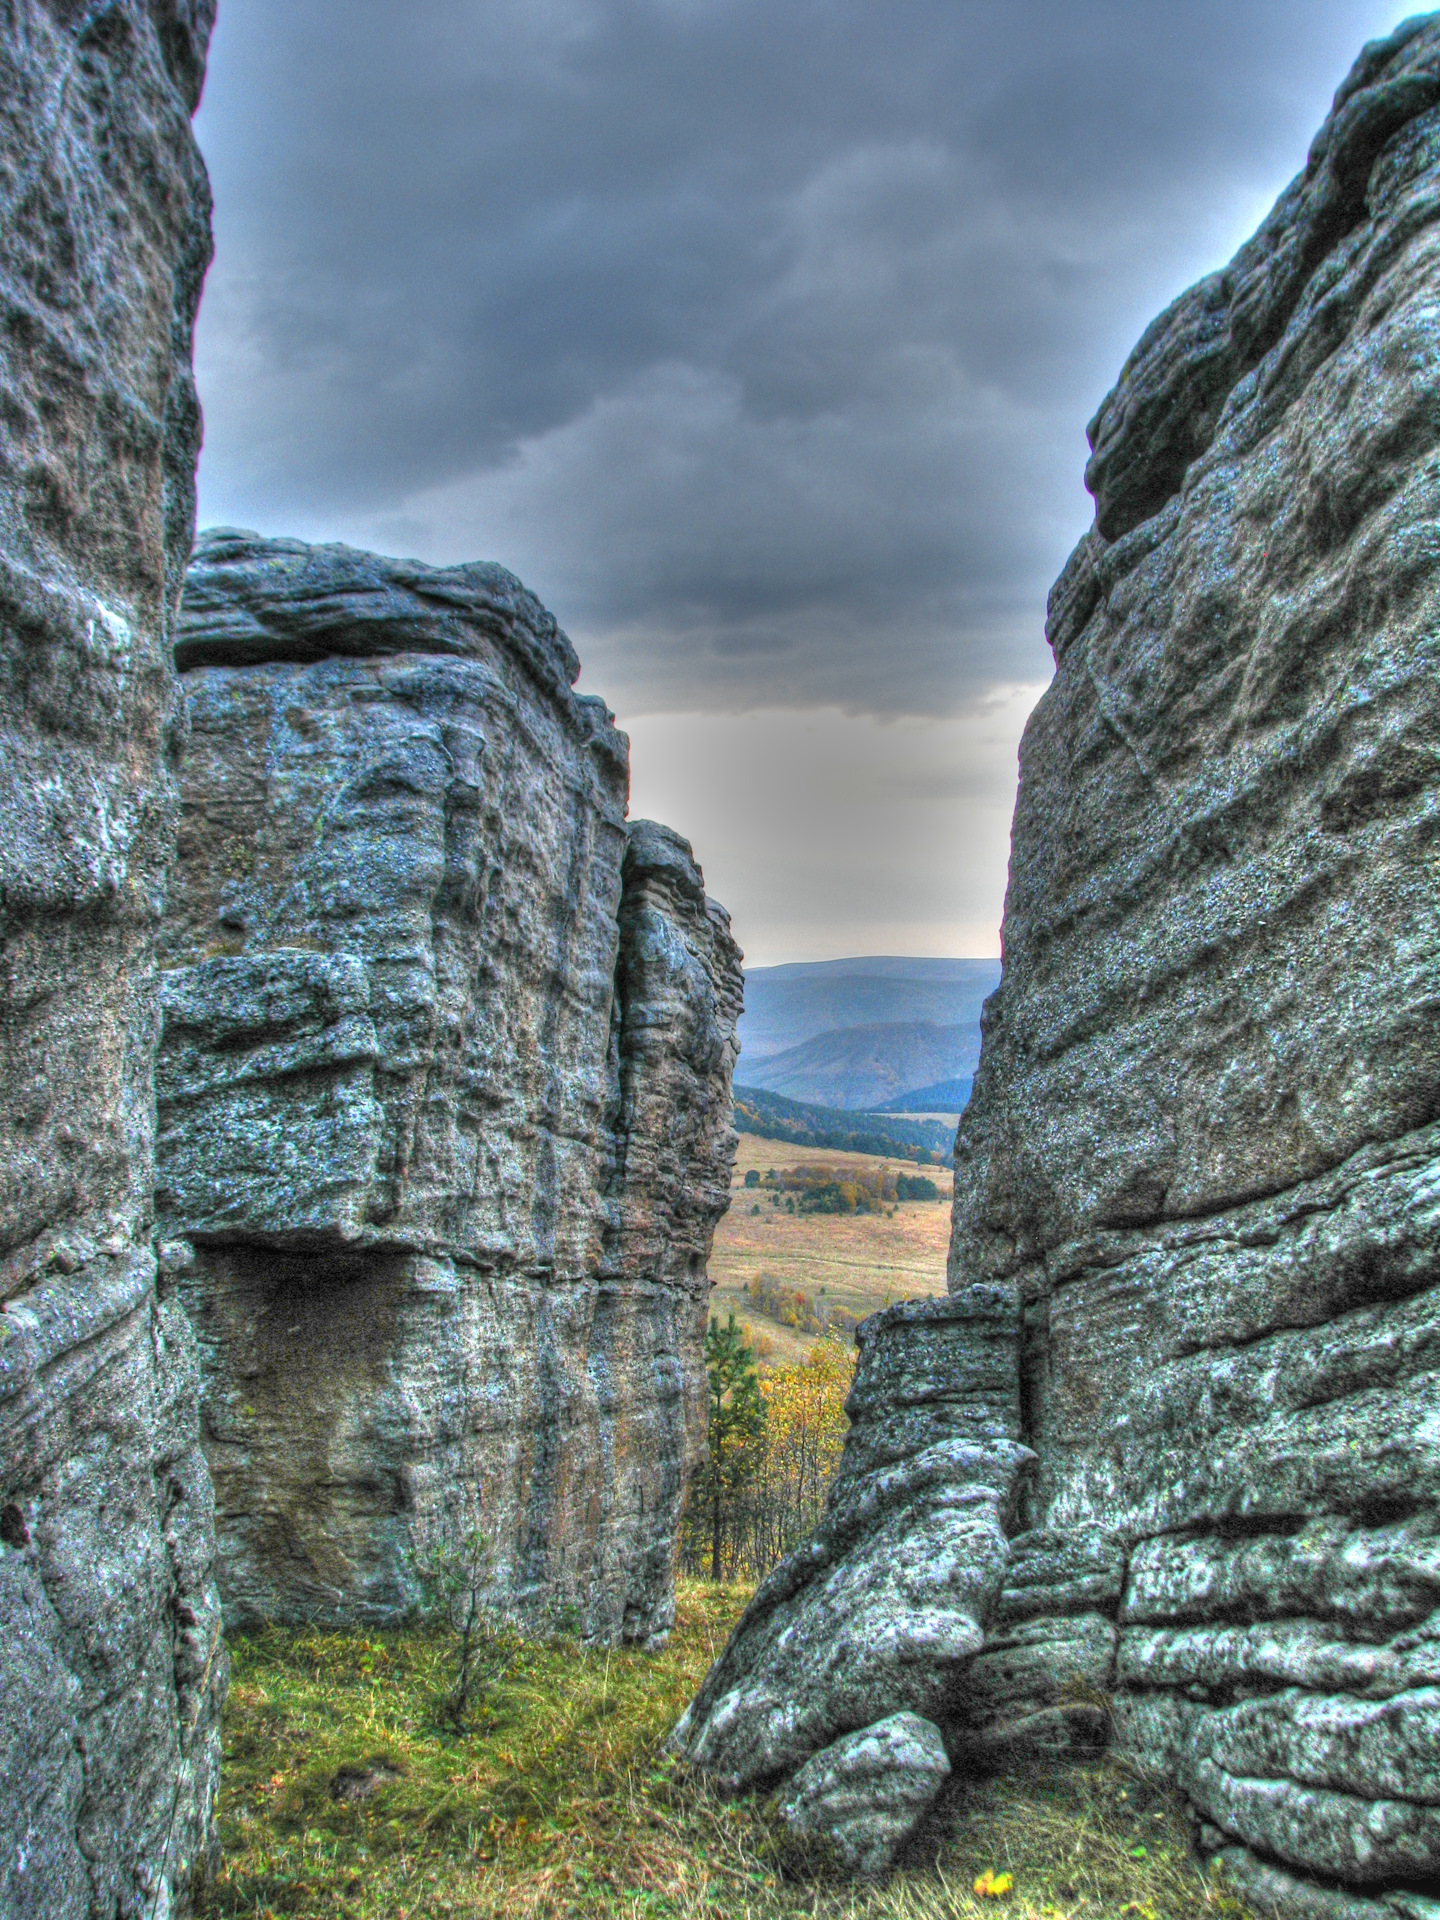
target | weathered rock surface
[
  {"x": 867, "y": 1792},
  {"x": 444, "y": 1096},
  {"x": 1202, "y": 1157},
  {"x": 109, "y": 1623},
  {"x": 883, "y": 1607}
]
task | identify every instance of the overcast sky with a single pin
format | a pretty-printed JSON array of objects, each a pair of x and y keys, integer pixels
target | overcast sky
[{"x": 759, "y": 337}]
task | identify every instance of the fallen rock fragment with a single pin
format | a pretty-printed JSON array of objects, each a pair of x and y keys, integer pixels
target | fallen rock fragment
[
  {"x": 361, "y": 1780},
  {"x": 867, "y": 1792}
]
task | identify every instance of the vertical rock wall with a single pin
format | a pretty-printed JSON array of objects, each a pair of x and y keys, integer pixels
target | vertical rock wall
[
  {"x": 109, "y": 1625},
  {"x": 445, "y": 1096},
  {"x": 1203, "y": 1144},
  {"x": 1197, "y": 1179}
]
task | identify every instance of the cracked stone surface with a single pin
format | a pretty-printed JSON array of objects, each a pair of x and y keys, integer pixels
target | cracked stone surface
[
  {"x": 444, "y": 1096},
  {"x": 880, "y": 1610},
  {"x": 868, "y": 1791},
  {"x": 109, "y": 1621},
  {"x": 1202, "y": 1151}
]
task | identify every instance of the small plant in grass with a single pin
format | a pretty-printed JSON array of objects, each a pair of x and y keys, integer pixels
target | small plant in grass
[{"x": 455, "y": 1571}]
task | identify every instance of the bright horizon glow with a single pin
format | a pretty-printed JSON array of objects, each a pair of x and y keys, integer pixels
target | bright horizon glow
[{"x": 830, "y": 835}]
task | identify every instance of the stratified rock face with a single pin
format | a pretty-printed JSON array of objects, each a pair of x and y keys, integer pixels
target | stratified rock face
[
  {"x": 444, "y": 1095},
  {"x": 110, "y": 1647},
  {"x": 845, "y": 1659},
  {"x": 1203, "y": 1151}
]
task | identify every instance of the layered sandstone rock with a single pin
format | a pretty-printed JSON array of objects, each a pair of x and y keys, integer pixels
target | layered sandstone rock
[
  {"x": 109, "y": 1626},
  {"x": 867, "y": 1619},
  {"x": 1203, "y": 1152},
  {"x": 444, "y": 1096}
]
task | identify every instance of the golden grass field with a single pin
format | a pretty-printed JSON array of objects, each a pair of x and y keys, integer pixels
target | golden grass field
[{"x": 862, "y": 1261}]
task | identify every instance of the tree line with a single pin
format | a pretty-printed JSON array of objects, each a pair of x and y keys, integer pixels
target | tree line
[
  {"x": 929, "y": 1143},
  {"x": 818, "y": 1188}
]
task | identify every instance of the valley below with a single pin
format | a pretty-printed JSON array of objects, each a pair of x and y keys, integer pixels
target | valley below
[{"x": 853, "y": 1262}]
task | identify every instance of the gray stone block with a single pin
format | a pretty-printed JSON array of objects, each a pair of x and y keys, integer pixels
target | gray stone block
[
  {"x": 109, "y": 1625},
  {"x": 867, "y": 1792},
  {"x": 444, "y": 1097}
]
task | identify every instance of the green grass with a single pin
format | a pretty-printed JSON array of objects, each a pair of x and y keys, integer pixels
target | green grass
[{"x": 559, "y": 1800}]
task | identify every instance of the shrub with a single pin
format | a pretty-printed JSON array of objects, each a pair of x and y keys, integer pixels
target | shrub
[
  {"x": 830, "y": 1198},
  {"x": 792, "y": 1307}
]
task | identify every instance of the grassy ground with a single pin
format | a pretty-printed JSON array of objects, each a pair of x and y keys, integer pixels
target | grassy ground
[
  {"x": 560, "y": 1801},
  {"x": 861, "y": 1260}
]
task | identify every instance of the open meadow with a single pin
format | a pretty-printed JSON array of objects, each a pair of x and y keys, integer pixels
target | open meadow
[{"x": 857, "y": 1262}]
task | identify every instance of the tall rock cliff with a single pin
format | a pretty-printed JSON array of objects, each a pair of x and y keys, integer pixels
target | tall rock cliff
[
  {"x": 110, "y": 1648},
  {"x": 444, "y": 1097},
  {"x": 1195, "y": 1271}
]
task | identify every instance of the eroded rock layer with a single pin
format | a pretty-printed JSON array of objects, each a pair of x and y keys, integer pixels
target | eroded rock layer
[
  {"x": 444, "y": 1096},
  {"x": 110, "y": 1646},
  {"x": 1202, "y": 1152}
]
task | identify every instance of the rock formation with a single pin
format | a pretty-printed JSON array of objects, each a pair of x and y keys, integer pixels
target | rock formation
[
  {"x": 1196, "y": 1257},
  {"x": 444, "y": 1097},
  {"x": 109, "y": 1625}
]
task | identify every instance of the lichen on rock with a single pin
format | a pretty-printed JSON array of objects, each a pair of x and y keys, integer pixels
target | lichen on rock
[
  {"x": 444, "y": 1096},
  {"x": 866, "y": 1792},
  {"x": 1203, "y": 1147},
  {"x": 110, "y": 1644}
]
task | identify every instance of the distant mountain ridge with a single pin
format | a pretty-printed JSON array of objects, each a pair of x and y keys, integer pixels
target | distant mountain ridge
[
  {"x": 785, "y": 1006},
  {"x": 864, "y": 1033},
  {"x": 864, "y": 1068},
  {"x": 942, "y": 1096},
  {"x": 929, "y": 1142}
]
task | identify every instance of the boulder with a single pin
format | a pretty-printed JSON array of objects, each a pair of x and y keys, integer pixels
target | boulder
[
  {"x": 866, "y": 1793},
  {"x": 110, "y": 1640},
  {"x": 1203, "y": 1149},
  {"x": 444, "y": 1098}
]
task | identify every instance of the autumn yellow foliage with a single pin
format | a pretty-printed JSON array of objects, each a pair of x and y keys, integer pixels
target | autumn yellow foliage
[
  {"x": 992, "y": 1886},
  {"x": 794, "y": 1457}
]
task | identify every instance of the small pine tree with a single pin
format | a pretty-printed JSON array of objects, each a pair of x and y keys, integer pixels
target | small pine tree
[
  {"x": 735, "y": 1427},
  {"x": 454, "y": 1573}
]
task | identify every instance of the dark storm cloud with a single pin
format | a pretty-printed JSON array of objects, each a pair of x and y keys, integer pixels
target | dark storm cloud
[{"x": 759, "y": 335}]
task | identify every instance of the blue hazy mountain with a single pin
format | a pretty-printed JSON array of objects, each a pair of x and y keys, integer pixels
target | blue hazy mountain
[
  {"x": 865, "y": 1068},
  {"x": 860, "y": 1034},
  {"x": 944, "y": 1096}
]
